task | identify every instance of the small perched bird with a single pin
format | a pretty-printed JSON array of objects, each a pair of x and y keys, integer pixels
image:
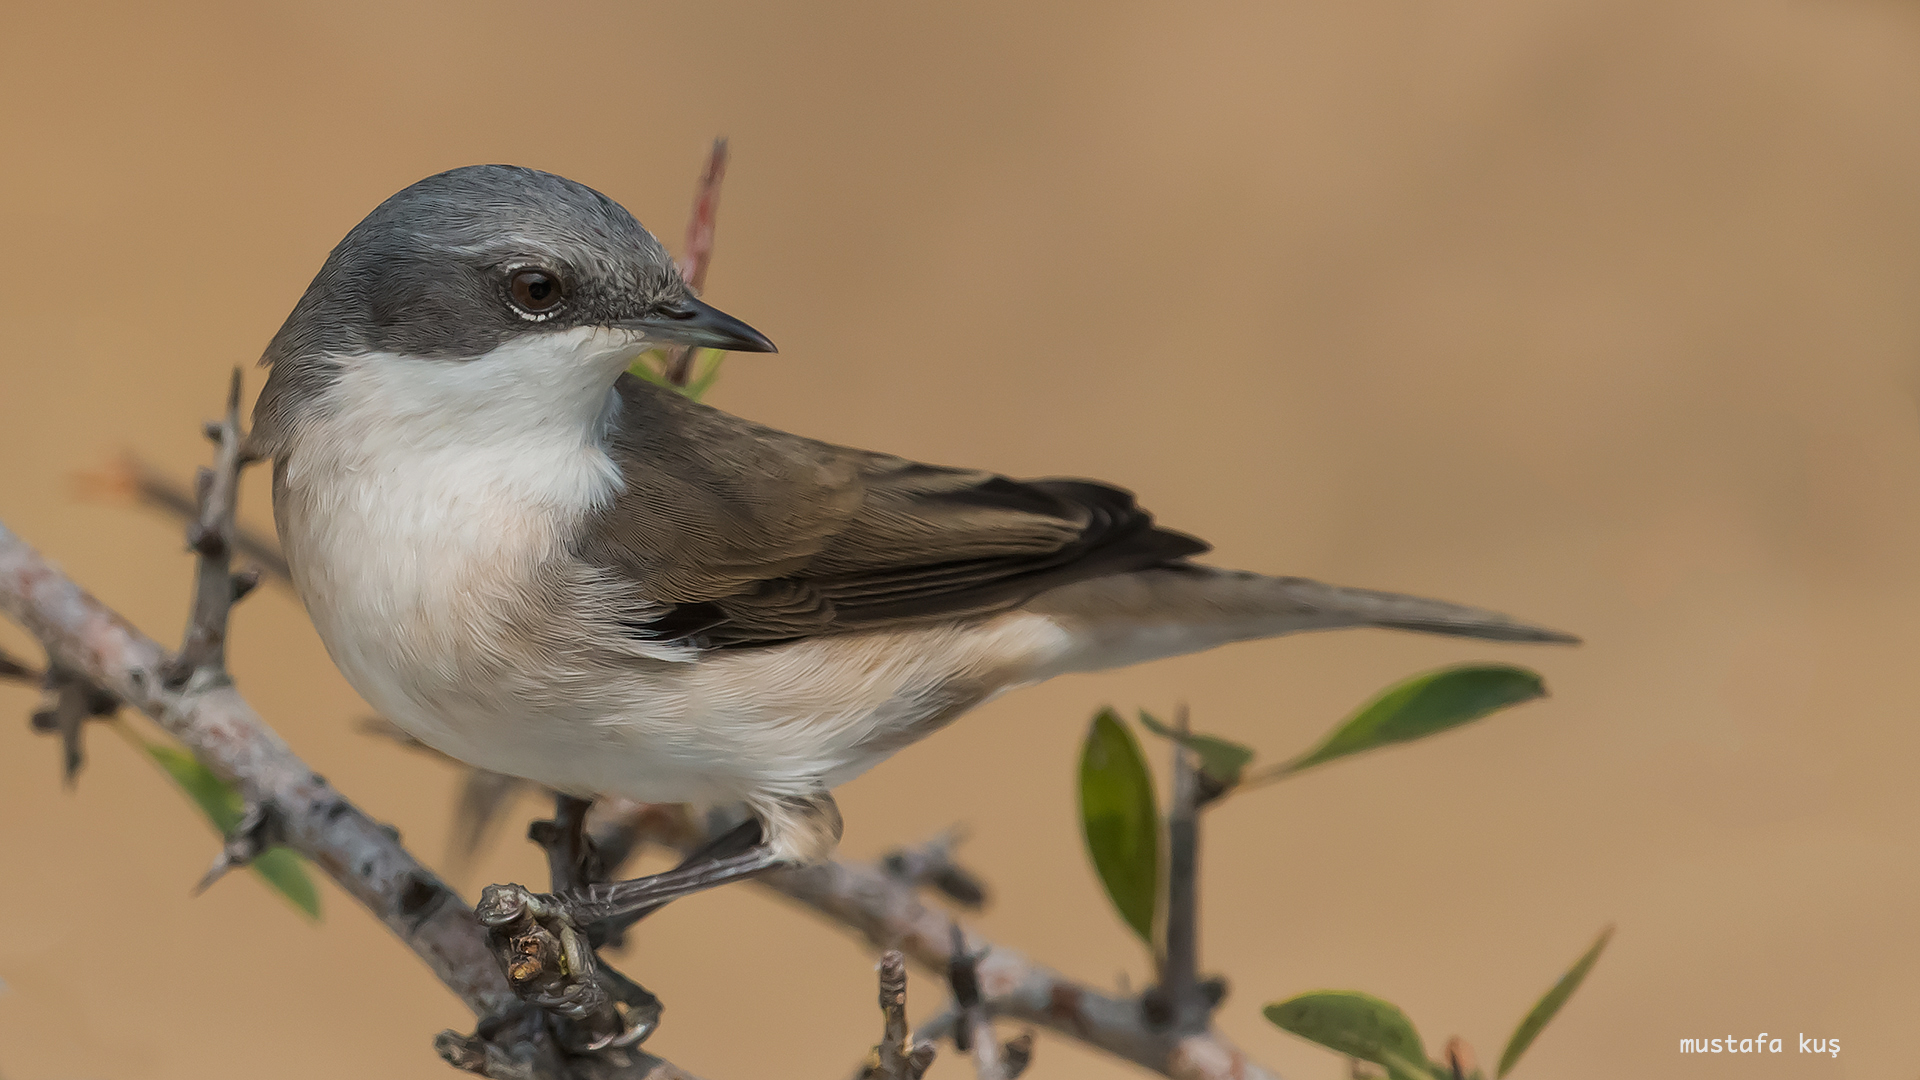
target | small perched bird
[{"x": 541, "y": 565}]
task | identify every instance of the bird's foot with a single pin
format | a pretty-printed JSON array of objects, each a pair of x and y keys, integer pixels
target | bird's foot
[
  {"x": 546, "y": 942},
  {"x": 551, "y": 965}
]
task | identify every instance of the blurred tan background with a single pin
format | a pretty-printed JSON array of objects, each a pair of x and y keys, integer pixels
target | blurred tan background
[{"x": 1600, "y": 313}]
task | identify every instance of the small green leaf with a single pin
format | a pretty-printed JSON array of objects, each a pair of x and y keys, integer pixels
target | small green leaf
[
  {"x": 1550, "y": 1003},
  {"x": 1121, "y": 821},
  {"x": 284, "y": 870},
  {"x": 707, "y": 364},
  {"x": 279, "y": 867},
  {"x": 222, "y": 805},
  {"x": 1358, "y": 1025},
  {"x": 651, "y": 366},
  {"x": 1221, "y": 760},
  {"x": 1425, "y": 705}
]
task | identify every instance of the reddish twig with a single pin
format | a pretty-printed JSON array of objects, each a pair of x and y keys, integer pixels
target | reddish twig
[{"x": 699, "y": 254}]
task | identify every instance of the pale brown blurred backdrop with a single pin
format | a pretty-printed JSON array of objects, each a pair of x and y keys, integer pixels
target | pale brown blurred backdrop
[{"x": 1601, "y": 313}]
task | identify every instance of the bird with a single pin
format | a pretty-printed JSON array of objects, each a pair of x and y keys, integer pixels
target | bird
[{"x": 540, "y": 565}]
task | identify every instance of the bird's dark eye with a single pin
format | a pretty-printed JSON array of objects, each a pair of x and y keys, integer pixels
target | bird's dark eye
[{"x": 535, "y": 291}]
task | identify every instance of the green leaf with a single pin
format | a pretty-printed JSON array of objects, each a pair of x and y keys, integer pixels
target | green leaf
[
  {"x": 1358, "y": 1025},
  {"x": 651, "y": 366},
  {"x": 222, "y": 805},
  {"x": 279, "y": 867},
  {"x": 1550, "y": 1003},
  {"x": 284, "y": 870},
  {"x": 707, "y": 364},
  {"x": 1425, "y": 705},
  {"x": 1121, "y": 822},
  {"x": 1222, "y": 760}
]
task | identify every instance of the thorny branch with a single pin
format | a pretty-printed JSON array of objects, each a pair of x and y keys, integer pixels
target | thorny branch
[
  {"x": 890, "y": 914},
  {"x": 210, "y": 536},
  {"x": 882, "y": 906}
]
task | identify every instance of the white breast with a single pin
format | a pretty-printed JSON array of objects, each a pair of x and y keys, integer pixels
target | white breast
[{"x": 421, "y": 503}]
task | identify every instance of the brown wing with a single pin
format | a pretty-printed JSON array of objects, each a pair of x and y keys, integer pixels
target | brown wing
[{"x": 733, "y": 534}]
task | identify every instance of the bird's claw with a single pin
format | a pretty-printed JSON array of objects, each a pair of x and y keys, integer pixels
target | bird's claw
[{"x": 550, "y": 964}]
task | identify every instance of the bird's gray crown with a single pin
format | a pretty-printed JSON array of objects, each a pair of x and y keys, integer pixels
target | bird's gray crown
[{"x": 428, "y": 272}]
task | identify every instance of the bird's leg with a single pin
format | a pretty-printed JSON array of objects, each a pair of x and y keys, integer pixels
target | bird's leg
[
  {"x": 571, "y": 859},
  {"x": 622, "y": 903},
  {"x": 549, "y": 956},
  {"x": 741, "y": 839},
  {"x": 782, "y": 831},
  {"x": 602, "y": 911}
]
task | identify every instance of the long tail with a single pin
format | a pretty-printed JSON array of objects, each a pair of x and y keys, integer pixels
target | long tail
[{"x": 1131, "y": 618}]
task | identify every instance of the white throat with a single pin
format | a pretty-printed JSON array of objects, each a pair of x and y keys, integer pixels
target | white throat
[
  {"x": 527, "y": 420},
  {"x": 561, "y": 381},
  {"x": 423, "y": 502}
]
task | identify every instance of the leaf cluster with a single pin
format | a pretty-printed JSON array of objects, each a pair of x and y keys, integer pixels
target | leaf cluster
[{"x": 1121, "y": 820}]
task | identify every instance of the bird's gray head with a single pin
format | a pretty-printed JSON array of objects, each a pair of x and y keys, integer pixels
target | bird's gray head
[{"x": 462, "y": 263}]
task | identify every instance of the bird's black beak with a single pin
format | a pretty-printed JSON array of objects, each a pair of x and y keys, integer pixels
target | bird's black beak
[{"x": 692, "y": 322}]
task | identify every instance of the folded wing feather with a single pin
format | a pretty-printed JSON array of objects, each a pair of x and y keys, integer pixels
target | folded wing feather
[{"x": 731, "y": 534}]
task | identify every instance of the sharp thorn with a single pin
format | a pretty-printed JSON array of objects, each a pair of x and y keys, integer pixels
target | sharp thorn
[{"x": 221, "y": 864}]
